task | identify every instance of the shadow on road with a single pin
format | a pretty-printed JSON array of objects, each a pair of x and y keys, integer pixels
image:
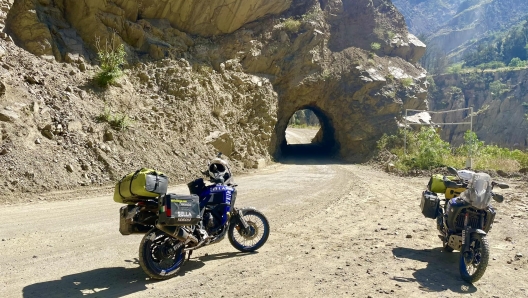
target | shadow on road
[
  {"x": 225, "y": 255},
  {"x": 103, "y": 282},
  {"x": 307, "y": 154},
  {"x": 111, "y": 282},
  {"x": 441, "y": 273}
]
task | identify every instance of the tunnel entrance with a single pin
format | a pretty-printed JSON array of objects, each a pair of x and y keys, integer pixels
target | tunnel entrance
[{"x": 308, "y": 134}]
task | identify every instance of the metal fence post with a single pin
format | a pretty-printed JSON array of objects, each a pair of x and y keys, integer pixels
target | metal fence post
[
  {"x": 469, "y": 161},
  {"x": 405, "y": 134}
]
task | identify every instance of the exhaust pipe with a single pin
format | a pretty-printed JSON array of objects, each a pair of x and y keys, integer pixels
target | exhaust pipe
[{"x": 179, "y": 233}]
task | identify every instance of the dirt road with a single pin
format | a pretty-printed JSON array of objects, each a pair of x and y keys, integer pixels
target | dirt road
[
  {"x": 300, "y": 135},
  {"x": 337, "y": 230}
]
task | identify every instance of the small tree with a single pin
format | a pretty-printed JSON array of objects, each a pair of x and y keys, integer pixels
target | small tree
[
  {"x": 517, "y": 62},
  {"x": 111, "y": 58}
]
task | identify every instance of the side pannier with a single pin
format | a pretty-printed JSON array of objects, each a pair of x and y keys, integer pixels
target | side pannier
[
  {"x": 430, "y": 204},
  {"x": 139, "y": 185},
  {"x": 179, "y": 210}
]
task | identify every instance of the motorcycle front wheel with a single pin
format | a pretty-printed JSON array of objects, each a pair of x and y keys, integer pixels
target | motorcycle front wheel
[
  {"x": 474, "y": 262},
  {"x": 160, "y": 255},
  {"x": 253, "y": 239}
]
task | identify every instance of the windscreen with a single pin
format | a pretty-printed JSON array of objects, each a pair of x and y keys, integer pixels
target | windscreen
[{"x": 478, "y": 193}]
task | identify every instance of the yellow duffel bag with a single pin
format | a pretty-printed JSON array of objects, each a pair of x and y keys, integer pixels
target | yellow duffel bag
[
  {"x": 141, "y": 184},
  {"x": 436, "y": 183}
]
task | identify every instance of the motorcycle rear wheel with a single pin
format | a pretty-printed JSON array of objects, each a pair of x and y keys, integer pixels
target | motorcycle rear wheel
[
  {"x": 157, "y": 255},
  {"x": 473, "y": 264},
  {"x": 257, "y": 236}
]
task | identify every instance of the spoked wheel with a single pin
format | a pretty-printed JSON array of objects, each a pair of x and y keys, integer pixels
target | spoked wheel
[
  {"x": 474, "y": 262},
  {"x": 161, "y": 256},
  {"x": 253, "y": 239}
]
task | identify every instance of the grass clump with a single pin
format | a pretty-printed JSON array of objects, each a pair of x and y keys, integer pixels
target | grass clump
[
  {"x": 292, "y": 25},
  {"x": 118, "y": 121},
  {"x": 426, "y": 150},
  {"x": 111, "y": 59},
  {"x": 375, "y": 46},
  {"x": 406, "y": 82}
]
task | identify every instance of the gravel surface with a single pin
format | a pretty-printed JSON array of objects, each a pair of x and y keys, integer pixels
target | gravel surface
[{"x": 337, "y": 230}]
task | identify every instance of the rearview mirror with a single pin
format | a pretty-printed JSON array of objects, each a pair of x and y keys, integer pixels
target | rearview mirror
[
  {"x": 498, "y": 198},
  {"x": 503, "y": 186},
  {"x": 452, "y": 171}
]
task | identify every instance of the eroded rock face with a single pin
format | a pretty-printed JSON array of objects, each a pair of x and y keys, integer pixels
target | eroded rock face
[
  {"x": 46, "y": 27},
  {"x": 210, "y": 17},
  {"x": 350, "y": 61},
  {"x": 505, "y": 105},
  {"x": 357, "y": 92}
]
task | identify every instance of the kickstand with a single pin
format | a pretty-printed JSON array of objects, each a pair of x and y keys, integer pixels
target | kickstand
[{"x": 189, "y": 256}]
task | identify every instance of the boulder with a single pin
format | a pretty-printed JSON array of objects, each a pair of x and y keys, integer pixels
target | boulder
[
  {"x": 8, "y": 116},
  {"x": 222, "y": 142}
]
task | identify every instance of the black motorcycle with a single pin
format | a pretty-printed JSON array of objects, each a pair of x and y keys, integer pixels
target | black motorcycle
[{"x": 463, "y": 222}]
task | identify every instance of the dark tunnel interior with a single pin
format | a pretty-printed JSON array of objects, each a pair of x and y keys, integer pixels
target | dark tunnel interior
[{"x": 323, "y": 145}]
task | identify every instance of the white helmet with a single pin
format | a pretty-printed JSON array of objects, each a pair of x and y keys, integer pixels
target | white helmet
[
  {"x": 465, "y": 175},
  {"x": 218, "y": 168}
]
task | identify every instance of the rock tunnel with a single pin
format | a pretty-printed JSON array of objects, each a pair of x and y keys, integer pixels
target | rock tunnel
[
  {"x": 323, "y": 145},
  {"x": 327, "y": 65}
]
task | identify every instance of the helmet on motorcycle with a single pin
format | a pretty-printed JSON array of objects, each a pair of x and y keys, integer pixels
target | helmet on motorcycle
[{"x": 218, "y": 168}]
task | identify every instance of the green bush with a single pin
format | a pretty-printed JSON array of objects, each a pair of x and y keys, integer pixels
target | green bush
[
  {"x": 292, "y": 25},
  {"x": 425, "y": 150},
  {"x": 406, "y": 82},
  {"x": 455, "y": 68},
  {"x": 491, "y": 65},
  {"x": 517, "y": 62},
  {"x": 111, "y": 60},
  {"x": 497, "y": 88},
  {"x": 375, "y": 46}
]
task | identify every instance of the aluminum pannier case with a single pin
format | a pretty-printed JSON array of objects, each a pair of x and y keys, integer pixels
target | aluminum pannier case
[
  {"x": 430, "y": 204},
  {"x": 179, "y": 210}
]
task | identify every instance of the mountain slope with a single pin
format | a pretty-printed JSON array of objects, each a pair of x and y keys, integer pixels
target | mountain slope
[{"x": 455, "y": 25}]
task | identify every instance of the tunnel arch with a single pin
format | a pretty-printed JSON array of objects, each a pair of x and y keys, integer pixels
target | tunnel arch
[{"x": 323, "y": 145}]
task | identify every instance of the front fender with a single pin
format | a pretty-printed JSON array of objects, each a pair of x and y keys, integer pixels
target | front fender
[
  {"x": 476, "y": 231},
  {"x": 466, "y": 236},
  {"x": 243, "y": 210}
]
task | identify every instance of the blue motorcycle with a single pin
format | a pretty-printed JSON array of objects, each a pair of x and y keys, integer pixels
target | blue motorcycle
[{"x": 176, "y": 225}]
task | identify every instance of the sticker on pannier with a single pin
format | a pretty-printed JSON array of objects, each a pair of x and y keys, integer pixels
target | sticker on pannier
[
  {"x": 141, "y": 184},
  {"x": 179, "y": 210}
]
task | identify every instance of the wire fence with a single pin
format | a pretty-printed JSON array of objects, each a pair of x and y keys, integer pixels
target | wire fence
[{"x": 469, "y": 162}]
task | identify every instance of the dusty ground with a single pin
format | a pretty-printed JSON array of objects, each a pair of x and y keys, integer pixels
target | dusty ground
[{"x": 337, "y": 230}]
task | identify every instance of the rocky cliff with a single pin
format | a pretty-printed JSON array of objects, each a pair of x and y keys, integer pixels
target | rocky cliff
[
  {"x": 202, "y": 76},
  {"x": 456, "y": 25},
  {"x": 500, "y": 102}
]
